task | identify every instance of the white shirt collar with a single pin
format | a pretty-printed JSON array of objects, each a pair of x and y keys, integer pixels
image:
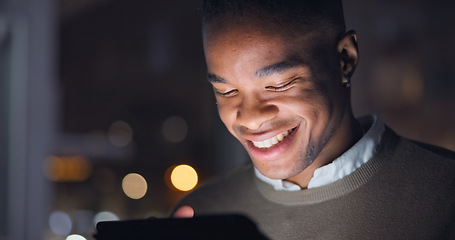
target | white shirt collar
[{"x": 345, "y": 164}]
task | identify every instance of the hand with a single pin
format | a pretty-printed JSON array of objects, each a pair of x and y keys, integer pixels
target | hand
[{"x": 184, "y": 211}]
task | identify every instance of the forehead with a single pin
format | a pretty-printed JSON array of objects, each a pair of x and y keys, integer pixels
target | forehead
[
  {"x": 246, "y": 27},
  {"x": 258, "y": 28},
  {"x": 260, "y": 41},
  {"x": 242, "y": 39}
]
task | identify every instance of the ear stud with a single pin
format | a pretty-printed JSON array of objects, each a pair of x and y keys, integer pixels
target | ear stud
[{"x": 346, "y": 82}]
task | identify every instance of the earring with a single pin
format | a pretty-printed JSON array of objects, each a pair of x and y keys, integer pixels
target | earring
[{"x": 346, "y": 82}]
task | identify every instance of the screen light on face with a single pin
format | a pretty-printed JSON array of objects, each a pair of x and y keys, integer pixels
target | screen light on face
[
  {"x": 134, "y": 186},
  {"x": 184, "y": 177}
]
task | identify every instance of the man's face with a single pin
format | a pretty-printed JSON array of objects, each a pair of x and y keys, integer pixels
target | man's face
[{"x": 279, "y": 94}]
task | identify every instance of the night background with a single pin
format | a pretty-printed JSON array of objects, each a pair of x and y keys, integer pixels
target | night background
[{"x": 93, "y": 90}]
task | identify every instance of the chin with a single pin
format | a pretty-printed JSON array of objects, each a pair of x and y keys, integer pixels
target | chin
[{"x": 280, "y": 171}]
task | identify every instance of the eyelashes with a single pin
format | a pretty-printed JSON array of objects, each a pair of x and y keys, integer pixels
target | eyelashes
[
  {"x": 226, "y": 94},
  {"x": 278, "y": 88},
  {"x": 283, "y": 87}
]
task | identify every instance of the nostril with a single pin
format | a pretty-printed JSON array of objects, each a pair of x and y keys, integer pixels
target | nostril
[{"x": 253, "y": 117}]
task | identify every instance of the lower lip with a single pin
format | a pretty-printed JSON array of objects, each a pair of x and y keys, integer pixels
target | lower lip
[{"x": 274, "y": 152}]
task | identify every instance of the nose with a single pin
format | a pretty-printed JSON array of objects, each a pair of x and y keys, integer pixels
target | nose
[{"x": 253, "y": 112}]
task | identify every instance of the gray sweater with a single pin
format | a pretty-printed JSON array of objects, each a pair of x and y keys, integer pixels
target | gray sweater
[{"x": 406, "y": 191}]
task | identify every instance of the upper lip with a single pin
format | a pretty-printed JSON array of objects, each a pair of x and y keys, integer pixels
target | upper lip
[{"x": 257, "y": 137}]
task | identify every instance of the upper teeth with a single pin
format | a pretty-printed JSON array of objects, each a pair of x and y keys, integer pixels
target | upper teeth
[{"x": 272, "y": 141}]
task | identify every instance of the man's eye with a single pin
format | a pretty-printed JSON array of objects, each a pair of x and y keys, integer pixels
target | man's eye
[
  {"x": 227, "y": 93},
  {"x": 281, "y": 87}
]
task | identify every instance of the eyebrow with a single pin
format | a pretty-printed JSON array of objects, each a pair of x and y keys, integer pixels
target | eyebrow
[
  {"x": 213, "y": 78},
  {"x": 276, "y": 68},
  {"x": 263, "y": 72}
]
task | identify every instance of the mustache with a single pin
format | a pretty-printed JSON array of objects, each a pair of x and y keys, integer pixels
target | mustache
[{"x": 267, "y": 127}]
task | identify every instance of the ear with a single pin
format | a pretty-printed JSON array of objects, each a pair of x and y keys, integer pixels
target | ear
[{"x": 348, "y": 55}]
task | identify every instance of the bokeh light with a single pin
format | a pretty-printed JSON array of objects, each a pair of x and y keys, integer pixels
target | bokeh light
[
  {"x": 412, "y": 86},
  {"x": 104, "y": 216},
  {"x": 75, "y": 237},
  {"x": 134, "y": 186},
  {"x": 120, "y": 134},
  {"x": 60, "y": 223},
  {"x": 67, "y": 168},
  {"x": 174, "y": 129},
  {"x": 184, "y": 177},
  {"x": 82, "y": 221}
]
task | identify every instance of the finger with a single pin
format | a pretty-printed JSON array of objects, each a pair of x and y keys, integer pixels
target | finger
[{"x": 184, "y": 212}]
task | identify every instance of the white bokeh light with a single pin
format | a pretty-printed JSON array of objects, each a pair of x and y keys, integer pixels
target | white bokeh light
[
  {"x": 60, "y": 223},
  {"x": 120, "y": 134},
  {"x": 105, "y": 216},
  {"x": 134, "y": 186},
  {"x": 75, "y": 237}
]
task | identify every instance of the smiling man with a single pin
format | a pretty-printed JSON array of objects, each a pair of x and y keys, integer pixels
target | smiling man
[
  {"x": 281, "y": 75},
  {"x": 282, "y": 95}
]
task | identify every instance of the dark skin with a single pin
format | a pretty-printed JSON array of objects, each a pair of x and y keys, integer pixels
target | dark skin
[{"x": 281, "y": 94}]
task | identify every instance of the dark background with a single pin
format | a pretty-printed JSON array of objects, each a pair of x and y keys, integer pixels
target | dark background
[{"x": 141, "y": 62}]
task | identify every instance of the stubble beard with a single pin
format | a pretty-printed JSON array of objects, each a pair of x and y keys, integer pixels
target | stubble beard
[{"x": 310, "y": 154}]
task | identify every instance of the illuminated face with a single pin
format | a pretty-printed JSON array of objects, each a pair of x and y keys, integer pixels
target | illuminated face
[{"x": 279, "y": 94}]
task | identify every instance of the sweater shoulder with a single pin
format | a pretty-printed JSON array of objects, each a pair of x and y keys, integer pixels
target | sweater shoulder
[
  {"x": 229, "y": 179},
  {"x": 416, "y": 159},
  {"x": 437, "y": 150},
  {"x": 430, "y": 154},
  {"x": 412, "y": 148}
]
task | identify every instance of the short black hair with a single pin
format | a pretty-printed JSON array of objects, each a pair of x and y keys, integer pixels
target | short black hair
[{"x": 325, "y": 16}]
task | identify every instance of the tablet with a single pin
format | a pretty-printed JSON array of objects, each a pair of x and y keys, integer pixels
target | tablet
[{"x": 212, "y": 227}]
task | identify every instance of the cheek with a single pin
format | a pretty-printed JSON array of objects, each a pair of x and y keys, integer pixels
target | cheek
[{"x": 308, "y": 104}]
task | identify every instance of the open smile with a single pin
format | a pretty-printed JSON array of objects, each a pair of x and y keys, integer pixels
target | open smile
[
  {"x": 274, "y": 147},
  {"x": 268, "y": 143}
]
